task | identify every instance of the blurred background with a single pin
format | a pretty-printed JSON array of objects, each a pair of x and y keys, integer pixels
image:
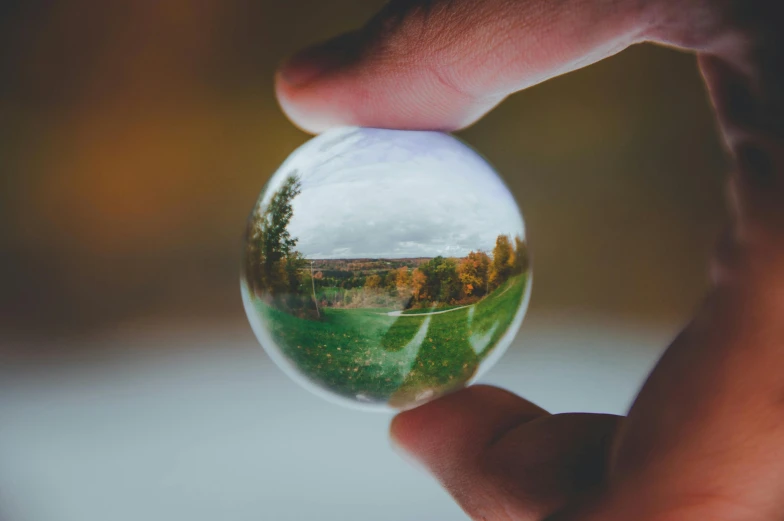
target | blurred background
[{"x": 134, "y": 139}]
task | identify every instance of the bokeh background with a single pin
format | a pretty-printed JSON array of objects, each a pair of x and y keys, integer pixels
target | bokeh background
[{"x": 134, "y": 139}]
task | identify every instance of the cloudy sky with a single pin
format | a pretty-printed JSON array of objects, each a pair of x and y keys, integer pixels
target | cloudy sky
[{"x": 390, "y": 194}]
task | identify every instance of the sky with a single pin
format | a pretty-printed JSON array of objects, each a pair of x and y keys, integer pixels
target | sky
[{"x": 391, "y": 194}]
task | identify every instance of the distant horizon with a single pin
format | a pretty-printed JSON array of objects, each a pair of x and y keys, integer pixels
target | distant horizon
[{"x": 488, "y": 253}]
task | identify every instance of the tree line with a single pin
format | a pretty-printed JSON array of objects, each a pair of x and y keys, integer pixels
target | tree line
[
  {"x": 278, "y": 273},
  {"x": 450, "y": 280}
]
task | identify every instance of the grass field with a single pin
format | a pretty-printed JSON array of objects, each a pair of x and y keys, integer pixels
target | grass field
[{"x": 366, "y": 354}]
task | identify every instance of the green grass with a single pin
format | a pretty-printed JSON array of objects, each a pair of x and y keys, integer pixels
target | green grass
[{"x": 383, "y": 358}]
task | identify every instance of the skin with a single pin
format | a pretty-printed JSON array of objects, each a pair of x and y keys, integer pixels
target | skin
[{"x": 705, "y": 438}]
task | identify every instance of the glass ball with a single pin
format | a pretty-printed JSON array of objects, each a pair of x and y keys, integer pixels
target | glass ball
[{"x": 385, "y": 268}]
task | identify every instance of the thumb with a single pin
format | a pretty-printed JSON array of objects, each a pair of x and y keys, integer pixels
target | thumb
[
  {"x": 502, "y": 457},
  {"x": 442, "y": 64}
]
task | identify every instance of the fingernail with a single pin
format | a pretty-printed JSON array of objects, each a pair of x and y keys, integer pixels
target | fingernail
[{"x": 312, "y": 62}]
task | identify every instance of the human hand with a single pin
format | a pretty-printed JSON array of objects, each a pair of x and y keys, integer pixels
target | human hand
[{"x": 705, "y": 438}]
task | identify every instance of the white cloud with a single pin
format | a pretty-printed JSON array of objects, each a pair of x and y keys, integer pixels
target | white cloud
[{"x": 383, "y": 193}]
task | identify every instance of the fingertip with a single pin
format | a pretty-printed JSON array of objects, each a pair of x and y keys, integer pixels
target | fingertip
[
  {"x": 299, "y": 80},
  {"x": 460, "y": 424},
  {"x": 310, "y": 121}
]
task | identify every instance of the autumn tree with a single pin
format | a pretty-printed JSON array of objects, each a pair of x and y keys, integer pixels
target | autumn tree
[
  {"x": 373, "y": 282},
  {"x": 503, "y": 260},
  {"x": 419, "y": 285},
  {"x": 402, "y": 280},
  {"x": 472, "y": 272}
]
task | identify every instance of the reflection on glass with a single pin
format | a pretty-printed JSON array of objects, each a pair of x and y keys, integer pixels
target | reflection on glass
[{"x": 385, "y": 268}]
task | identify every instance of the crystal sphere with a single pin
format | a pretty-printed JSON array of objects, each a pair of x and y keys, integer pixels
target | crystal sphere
[{"x": 384, "y": 268}]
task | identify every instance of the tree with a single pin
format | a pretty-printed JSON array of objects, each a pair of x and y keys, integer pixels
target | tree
[
  {"x": 503, "y": 257},
  {"x": 373, "y": 282},
  {"x": 403, "y": 280},
  {"x": 449, "y": 282},
  {"x": 472, "y": 272},
  {"x": 441, "y": 281},
  {"x": 390, "y": 280},
  {"x": 419, "y": 285},
  {"x": 273, "y": 263},
  {"x": 521, "y": 262},
  {"x": 292, "y": 282}
]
